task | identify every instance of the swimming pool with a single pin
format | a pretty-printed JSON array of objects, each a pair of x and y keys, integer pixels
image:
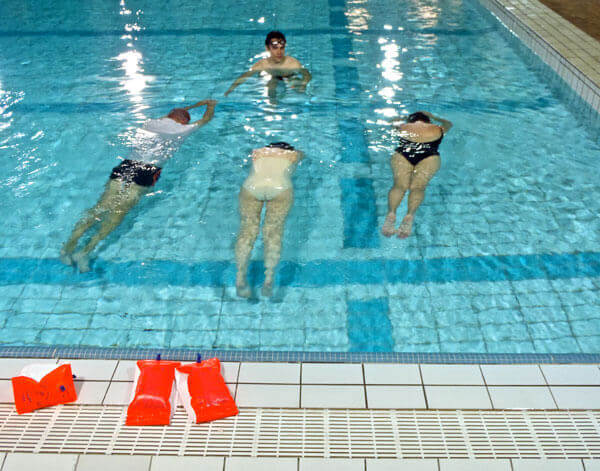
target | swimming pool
[{"x": 505, "y": 255}]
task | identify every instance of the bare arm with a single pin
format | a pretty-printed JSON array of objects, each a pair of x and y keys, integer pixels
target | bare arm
[
  {"x": 196, "y": 105},
  {"x": 208, "y": 113},
  {"x": 444, "y": 123},
  {"x": 242, "y": 78}
]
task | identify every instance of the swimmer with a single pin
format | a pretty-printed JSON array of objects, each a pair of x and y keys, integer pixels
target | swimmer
[
  {"x": 414, "y": 164},
  {"x": 268, "y": 184},
  {"x": 129, "y": 181},
  {"x": 278, "y": 66}
]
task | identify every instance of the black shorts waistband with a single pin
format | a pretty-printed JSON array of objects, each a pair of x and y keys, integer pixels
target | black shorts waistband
[{"x": 134, "y": 171}]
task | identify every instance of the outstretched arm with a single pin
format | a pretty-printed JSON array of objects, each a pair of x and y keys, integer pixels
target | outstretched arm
[
  {"x": 208, "y": 113},
  {"x": 241, "y": 79},
  {"x": 444, "y": 123},
  {"x": 196, "y": 105}
]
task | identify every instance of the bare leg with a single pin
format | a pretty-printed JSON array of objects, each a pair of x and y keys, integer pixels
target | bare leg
[
  {"x": 250, "y": 209},
  {"x": 277, "y": 211},
  {"x": 117, "y": 200},
  {"x": 92, "y": 216},
  {"x": 272, "y": 90},
  {"x": 424, "y": 171},
  {"x": 402, "y": 170}
]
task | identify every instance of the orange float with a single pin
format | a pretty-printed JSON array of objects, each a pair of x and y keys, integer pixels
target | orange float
[
  {"x": 153, "y": 395},
  {"x": 43, "y": 385},
  {"x": 203, "y": 391}
]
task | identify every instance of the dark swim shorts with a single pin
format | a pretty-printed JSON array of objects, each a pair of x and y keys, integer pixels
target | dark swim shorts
[{"x": 140, "y": 173}]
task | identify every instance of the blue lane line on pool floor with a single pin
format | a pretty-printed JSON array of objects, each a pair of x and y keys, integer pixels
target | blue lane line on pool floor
[
  {"x": 369, "y": 326},
  {"x": 359, "y": 213},
  {"x": 313, "y": 274},
  {"x": 358, "y": 196}
]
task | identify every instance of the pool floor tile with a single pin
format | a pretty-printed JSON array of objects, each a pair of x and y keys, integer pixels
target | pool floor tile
[
  {"x": 326, "y": 396},
  {"x": 521, "y": 397},
  {"x": 513, "y": 375},
  {"x": 116, "y": 462},
  {"x": 268, "y": 395},
  {"x": 457, "y": 397},
  {"x": 581, "y": 397},
  {"x": 186, "y": 463},
  {"x": 337, "y": 464},
  {"x": 381, "y": 373},
  {"x": 402, "y": 465},
  {"x": 260, "y": 464},
  {"x": 32, "y": 461},
  {"x": 395, "y": 397}
]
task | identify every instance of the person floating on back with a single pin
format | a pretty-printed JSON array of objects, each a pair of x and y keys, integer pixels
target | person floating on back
[
  {"x": 279, "y": 66},
  {"x": 155, "y": 144},
  {"x": 414, "y": 163}
]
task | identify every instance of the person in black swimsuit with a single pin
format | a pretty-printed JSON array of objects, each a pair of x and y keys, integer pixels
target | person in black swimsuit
[{"x": 414, "y": 163}]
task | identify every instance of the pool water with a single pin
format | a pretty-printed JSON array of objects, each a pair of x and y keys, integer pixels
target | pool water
[{"x": 505, "y": 255}]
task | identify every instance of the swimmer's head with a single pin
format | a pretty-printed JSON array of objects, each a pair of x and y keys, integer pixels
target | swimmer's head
[
  {"x": 275, "y": 45},
  {"x": 179, "y": 115},
  {"x": 418, "y": 116},
  {"x": 281, "y": 145},
  {"x": 275, "y": 37}
]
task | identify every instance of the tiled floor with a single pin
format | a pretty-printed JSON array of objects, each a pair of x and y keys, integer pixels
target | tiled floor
[
  {"x": 334, "y": 386},
  {"x": 20, "y": 462},
  {"x": 585, "y": 14},
  {"x": 358, "y": 386}
]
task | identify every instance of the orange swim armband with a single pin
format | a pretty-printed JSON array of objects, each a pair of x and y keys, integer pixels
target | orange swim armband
[
  {"x": 43, "y": 385},
  {"x": 203, "y": 391},
  {"x": 153, "y": 395}
]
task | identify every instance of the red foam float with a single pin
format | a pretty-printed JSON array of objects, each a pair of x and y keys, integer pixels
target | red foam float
[
  {"x": 154, "y": 397},
  {"x": 203, "y": 391},
  {"x": 43, "y": 385}
]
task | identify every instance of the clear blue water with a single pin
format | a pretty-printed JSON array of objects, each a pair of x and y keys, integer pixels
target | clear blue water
[{"x": 505, "y": 256}]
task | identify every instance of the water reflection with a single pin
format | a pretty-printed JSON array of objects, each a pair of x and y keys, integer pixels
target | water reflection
[{"x": 132, "y": 60}]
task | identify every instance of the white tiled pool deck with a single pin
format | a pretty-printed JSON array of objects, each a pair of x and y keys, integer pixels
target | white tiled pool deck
[{"x": 281, "y": 391}]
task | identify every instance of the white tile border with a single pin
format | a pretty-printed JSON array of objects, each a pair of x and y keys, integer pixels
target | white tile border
[{"x": 559, "y": 45}]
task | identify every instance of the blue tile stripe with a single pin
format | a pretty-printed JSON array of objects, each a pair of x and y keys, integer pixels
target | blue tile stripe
[
  {"x": 359, "y": 213},
  {"x": 316, "y": 273},
  {"x": 358, "y": 196},
  {"x": 98, "y": 353},
  {"x": 369, "y": 326}
]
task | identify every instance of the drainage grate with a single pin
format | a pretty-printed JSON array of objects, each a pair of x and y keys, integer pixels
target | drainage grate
[{"x": 323, "y": 433}]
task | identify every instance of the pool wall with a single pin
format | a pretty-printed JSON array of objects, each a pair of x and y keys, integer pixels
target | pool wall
[{"x": 570, "y": 52}]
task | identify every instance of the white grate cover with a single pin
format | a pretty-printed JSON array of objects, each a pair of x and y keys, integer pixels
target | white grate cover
[{"x": 322, "y": 433}]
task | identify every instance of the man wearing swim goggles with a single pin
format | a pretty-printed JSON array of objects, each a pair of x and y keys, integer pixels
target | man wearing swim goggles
[{"x": 277, "y": 65}]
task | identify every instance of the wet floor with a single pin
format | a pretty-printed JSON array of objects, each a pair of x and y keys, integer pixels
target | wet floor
[{"x": 585, "y": 14}]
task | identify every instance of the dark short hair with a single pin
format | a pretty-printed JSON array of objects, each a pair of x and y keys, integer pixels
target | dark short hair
[
  {"x": 180, "y": 113},
  {"x": 281, "y": 145},
  {"x": 274, "y": 35},
  {"x": 418, "y": 116}
]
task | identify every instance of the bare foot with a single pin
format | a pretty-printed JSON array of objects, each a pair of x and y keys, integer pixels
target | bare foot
[
  {"x": 243, "y": 290},
  {"x": 389, "y": 228},
  {"x": 267, "y": 289},
  {"x": 405, "y": 228},
  {"x": 82, "y": 261},
  {"x": 66, "y": 257}
]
